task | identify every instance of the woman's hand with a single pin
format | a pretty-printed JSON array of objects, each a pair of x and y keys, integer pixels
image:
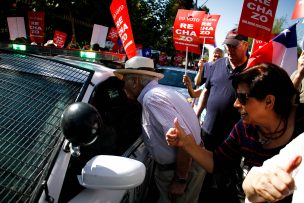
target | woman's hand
[{"x": 177, "y": 137}]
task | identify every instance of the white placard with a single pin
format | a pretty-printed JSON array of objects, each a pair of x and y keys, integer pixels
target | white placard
[
  {"x": 16, "y": 27},
  {"x": 99, "y": 35}
]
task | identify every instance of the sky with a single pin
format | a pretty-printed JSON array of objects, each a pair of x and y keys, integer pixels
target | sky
[{"x": 230, "y": 11}]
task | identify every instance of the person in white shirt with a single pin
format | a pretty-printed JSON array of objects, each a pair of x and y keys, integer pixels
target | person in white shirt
[
  {"x": 177, "y": 177},
  {"x": 279, "y": 177}
]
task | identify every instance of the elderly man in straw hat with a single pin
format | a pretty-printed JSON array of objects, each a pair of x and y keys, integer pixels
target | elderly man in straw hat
[{"x": 177, "y": 176}]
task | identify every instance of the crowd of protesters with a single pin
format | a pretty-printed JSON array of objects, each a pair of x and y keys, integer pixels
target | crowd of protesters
[
  {"x": 73, "y": 44},
  {"x": 271, "y": 116},
  {"x": 250, "y": 115}
]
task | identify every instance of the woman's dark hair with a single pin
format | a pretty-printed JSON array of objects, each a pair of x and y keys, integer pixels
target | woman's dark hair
[{"x": 269, "y": 79}]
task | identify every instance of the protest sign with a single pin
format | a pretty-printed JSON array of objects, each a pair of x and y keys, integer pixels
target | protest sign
[
  {"x": 121, "y": 19},
  {"x": 36, "y": 26},
  {"x": 257, "y": 18},
  {"x": 99, "y": 35},
  {"x": 112, "y": 35},
  {"x": 59, "y": 38},
  {"x": 16, "y": 27},
  {"x": 186, "y": 30},
  {"x": 207, "y": 29},
  {"x": 257, "y": 44}
]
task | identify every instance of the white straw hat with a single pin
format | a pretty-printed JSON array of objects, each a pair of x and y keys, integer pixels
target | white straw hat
[{"x": 138, "y": 65}]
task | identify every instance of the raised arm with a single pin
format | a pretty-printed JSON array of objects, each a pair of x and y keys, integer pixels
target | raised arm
[
  {"x": 299, "y": 75},
  {"x": 198, "y": 77},
  {"x": 177, "y": 137},
  {"x": 202, "y": 102},
  {"x": 194, "y": 93}
]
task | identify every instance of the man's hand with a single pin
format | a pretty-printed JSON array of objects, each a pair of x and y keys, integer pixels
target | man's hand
[
  {"x": 187, "y": 81},
  {"x": 176, "y": 189},
  {"x": 200, "y": 65}
]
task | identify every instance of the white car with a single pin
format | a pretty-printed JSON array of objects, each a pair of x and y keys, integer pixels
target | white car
[{"x": 35, "y": 158}]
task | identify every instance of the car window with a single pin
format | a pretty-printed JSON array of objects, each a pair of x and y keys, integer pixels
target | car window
[
  {"x": 174, "y": 77},
  {"x": 117, "y": 113}
]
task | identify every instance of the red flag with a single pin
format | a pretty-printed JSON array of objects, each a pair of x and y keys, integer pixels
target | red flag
[
  {"x": 257, "y": 19},
  {"x": 281, "y": 50},
  {"x": 257, "y": 44},
  {"x": 112, "y": 35},
  {"x": 298, "y": 11},
  {"x": 187, "y": 29},
  {"x": 121, "y": 19},
  {"x": 36, "y": 26}
]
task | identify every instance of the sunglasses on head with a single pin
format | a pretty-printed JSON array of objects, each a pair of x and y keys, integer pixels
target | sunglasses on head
[{"x": 242, "y": 97}]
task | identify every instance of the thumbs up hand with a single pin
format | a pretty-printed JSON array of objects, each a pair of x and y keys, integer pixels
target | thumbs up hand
[
  {"x": 177, "y": 136},
  {"x": 276, "y": 184},
  {"x": 294, "y": 164}
]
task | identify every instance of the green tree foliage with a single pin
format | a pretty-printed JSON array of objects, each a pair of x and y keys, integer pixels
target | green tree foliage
[
  {"x": 279, "y": 24},
  {"x": 152, "y": 21}
]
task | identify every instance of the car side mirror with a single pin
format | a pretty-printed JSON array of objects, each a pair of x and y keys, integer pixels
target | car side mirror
[
  {"x": 112, "y": 172},
  {"x": 81, "y": 125}
]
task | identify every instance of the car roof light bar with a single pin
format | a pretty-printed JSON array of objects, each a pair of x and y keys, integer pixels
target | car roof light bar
[
  {"x": 20, "y": 47},
  {"x": 85, "y": 54}
]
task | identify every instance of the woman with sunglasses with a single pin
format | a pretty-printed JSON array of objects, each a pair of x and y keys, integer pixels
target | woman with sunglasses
[{"x": 271, "y": 117}]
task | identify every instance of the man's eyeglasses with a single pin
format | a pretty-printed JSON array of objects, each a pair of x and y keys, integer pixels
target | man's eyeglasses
[{"x": 242, "y": 97}]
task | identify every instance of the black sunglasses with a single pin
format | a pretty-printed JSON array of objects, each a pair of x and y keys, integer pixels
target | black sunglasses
[{"x": 242, "y": 97}]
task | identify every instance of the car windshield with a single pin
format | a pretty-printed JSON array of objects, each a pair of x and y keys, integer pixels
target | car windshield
[
  {"x": 173, "y": 76},
  {"x": 34, "y": 92}
]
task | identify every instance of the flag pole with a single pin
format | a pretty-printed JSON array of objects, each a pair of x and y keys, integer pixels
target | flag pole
[
  {"x": 203, "y": 49},
  {"x": 186, "y": 65},
  {"x": 252, "y": 45}
]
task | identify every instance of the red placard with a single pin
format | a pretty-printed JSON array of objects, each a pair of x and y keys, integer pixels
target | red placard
[
  {"x": 187, "y": 30},
  {"x": 36, "y": 26},
  {"x": 257, "y": 44},
  {"x": 121, "y": 19},
  {"x": 59, "y": 38},
  {"x": 298, "y": 11},
  {"x": 207, "y": 29},
  {"x": 257, "y": 19},
  {"x": 112, "y": 35}
]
